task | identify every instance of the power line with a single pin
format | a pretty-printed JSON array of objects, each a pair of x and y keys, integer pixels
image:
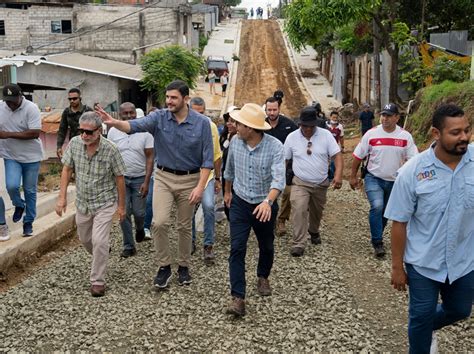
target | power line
[{"x": 101, "y": 26}]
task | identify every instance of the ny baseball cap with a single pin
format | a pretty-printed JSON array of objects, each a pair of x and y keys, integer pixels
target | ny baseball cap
[
  {"x": 390, "y": 109},
  {"x": 11, "y": 92}
]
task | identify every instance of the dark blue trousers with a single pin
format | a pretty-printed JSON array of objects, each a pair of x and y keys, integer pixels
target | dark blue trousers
[{"x": 241, "y": 221}]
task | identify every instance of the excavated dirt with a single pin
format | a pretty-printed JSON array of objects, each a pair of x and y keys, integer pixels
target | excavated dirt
[{"x": 265, "y": 67}]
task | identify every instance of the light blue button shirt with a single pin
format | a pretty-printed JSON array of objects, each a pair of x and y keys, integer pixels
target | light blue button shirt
[
  {"x": 255, "y": 171},
  {"x": 438, "y": 205}
]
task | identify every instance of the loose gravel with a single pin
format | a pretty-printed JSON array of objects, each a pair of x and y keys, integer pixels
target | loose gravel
[{"x": 335, "y": 298}]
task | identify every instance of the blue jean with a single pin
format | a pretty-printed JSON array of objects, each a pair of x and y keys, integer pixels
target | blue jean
[
  {"x": 426, "y": 315},
  {"x": 378, "y": 191},
  {"x": 149, "y": 205},
  {"x": 15, "y": 174},
  {"x": 2, "y": 212},
  {"x": 207, "y": 203},
  {"x": 135, "y": 206},
  {"x": 241, "y": 221}
]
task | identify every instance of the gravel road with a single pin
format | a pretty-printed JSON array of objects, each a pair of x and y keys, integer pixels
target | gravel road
[{"x": 335, "y": 298}]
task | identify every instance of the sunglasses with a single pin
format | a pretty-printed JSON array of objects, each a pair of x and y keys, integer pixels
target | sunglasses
[
  {"x": 86, "y": 131},
  {"x": 73, "y": 98},
  {"x": 308, "y": 148}
]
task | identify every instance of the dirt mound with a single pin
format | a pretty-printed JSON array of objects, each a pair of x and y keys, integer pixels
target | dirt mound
[{"x": 265, "y": 67}]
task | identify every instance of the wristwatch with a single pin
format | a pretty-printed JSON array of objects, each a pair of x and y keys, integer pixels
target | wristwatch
[{"x": 269, "y": 201}]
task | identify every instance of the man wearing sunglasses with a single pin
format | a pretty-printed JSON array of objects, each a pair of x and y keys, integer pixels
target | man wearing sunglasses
[
  {"x": 310, "y": 147},
  {"x": 70, "y": 119},
  {"x": 100, "y": 192}
]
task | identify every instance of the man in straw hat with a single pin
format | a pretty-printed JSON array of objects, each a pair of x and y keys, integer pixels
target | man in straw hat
[{"x": 255, "y": 171}]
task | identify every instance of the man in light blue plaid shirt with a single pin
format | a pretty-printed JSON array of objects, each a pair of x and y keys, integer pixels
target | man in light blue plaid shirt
[{"x": 255, "y": 172}]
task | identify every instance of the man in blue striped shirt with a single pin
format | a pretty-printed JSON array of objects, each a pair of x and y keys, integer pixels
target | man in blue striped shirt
[{"x": 255, "y": 176}]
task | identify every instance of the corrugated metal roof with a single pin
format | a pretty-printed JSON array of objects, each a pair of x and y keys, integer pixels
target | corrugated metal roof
[{"x": 96, "y": 65}]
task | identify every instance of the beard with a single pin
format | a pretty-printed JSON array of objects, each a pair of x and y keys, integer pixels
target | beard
[{"x": 458, "y": 150}]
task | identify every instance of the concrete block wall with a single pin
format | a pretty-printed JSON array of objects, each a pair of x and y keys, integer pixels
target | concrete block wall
[
  {"x": 40, "y": 18},
  {"x": 16, "y": 29}
]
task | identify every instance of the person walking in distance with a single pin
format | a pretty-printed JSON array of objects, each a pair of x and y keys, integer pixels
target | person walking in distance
[
  {"x": 224, "y": 79},
  {"x": 184, "y": 159},
  {"x": 22, "y": 152},
  {"x": 366, "y": 119},
  {"x": 212, "y": 188},
  {"x": 137, "y": 153},
  {"x": 432, "y": 208},
  {"x": 100, "y": 192},
  {"x": 386, "y": 148},
  {"x": 212, "y": 77},
  {"x": 310, "y": 148},
  {"x": 70, "y": 118},
  {"x": 281, "y": 127},
  {"x": 255, "y": 176}
]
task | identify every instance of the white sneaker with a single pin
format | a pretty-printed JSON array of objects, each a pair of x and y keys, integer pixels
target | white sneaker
[
  {"x": 147, "y": 234},
  {"x": 4, "y": 236},
  {"x": 434, "y": 344}
]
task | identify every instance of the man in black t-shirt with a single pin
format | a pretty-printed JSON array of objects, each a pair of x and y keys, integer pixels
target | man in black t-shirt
[
  {"x": 366, "y": 119},
  {"x": 281, "y": 127}
]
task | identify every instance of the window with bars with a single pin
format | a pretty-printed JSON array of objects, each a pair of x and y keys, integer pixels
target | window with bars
[
  {"x": 61, "y": 26},
  {"x": 2, "y": 27}
]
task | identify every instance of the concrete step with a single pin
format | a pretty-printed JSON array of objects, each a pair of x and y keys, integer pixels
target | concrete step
[
  {"x": 48, "y": 229},
  {"x": 45, "y": 204}
]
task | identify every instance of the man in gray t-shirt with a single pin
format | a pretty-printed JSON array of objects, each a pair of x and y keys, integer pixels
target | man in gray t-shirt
[{"x": 20, "y": 126}]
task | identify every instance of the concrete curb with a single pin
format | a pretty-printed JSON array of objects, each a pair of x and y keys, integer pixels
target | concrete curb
[
  {"x": 294, "y": 64},
  {"x": 48, "y": 229}
]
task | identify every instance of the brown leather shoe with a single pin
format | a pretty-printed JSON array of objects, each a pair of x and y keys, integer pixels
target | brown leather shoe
[
  {"x": 209, "y": 256},
  {"x": 281, "y": 228},
  {"x": 263, "y": 287},
  {"x": 97, "y": 290},
  {"x": 236, "y": 307}
]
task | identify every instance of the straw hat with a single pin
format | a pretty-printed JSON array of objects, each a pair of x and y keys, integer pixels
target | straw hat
[{"x": 251, "y": 115}]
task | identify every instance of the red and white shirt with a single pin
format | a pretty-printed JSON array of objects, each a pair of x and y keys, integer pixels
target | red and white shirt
[{"x": 388, "y": 151}]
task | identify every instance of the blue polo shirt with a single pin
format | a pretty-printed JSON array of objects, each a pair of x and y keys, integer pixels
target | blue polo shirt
[
  {"x": 184, "y": 147},
  {"x": 438, "y": 205}
]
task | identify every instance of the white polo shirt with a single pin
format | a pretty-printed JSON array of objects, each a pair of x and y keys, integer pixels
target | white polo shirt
[
  {"x": 388, "y": 151},
  {"x": 26, "y": 117},
  {"x": 311, "y": 168},
  {"x": 132, "y": 148}
]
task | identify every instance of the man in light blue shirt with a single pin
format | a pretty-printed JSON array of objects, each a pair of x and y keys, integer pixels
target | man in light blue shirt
[
  {"x": 432, "y": 208},
  {"x": 184, "y": 159},
  {"x": 254, "y": 177}
]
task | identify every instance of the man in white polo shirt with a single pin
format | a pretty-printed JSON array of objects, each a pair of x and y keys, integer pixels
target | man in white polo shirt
[
  {"x": 310, "y": 148},
  {"x": 20, "y": 126},
  {"x": 386, "y": 147},
  {"x": 137, "y": 153}
]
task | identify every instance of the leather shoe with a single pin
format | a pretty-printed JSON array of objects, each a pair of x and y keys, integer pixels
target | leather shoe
[
  {"x": 236, "y": 307},
  {"x": 97, "y": 290},
  {"x": 297, "y": 251},
  {"x": 315, "y": 238},
  {"x": 263, "y": 287},
  {"x": 281, "y": 228}
]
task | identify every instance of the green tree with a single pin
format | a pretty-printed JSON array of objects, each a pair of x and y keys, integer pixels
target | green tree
[
  {"x": 232, "y": 2},
  {"x": 164, "y": 65}
]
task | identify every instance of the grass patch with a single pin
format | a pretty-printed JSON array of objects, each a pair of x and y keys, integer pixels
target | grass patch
[{"x": 429, "y": 98}]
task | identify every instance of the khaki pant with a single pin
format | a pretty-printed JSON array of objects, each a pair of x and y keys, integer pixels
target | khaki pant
[
  {"x": 169, "y": 189},
  {"x": 94, "y": 234},
  {"x": 285, "y": 205},
  {"x": 307, "y": 200}
]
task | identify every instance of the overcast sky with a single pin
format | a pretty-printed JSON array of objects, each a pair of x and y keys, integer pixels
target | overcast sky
[{"x": 256, "y": 3}]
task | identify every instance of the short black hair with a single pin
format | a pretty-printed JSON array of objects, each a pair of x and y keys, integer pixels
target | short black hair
[
  {"x": 180, "y": 86},
  {"x": 197, "y": 101},
  {"x": 75, "y": 90},
  {"x": 272, "y": 100},
  {"x": 444, "y": 111},
  {"x": 334, "y": 112}
]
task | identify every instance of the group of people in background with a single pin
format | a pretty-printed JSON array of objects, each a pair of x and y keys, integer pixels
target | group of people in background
[
  {"x": 175, "y": 159},
  {"x": 212, "y": 79}
]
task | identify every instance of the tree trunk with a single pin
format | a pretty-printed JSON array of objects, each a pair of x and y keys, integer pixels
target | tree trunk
[
  {"x": 376, "y": 60},
  {"x": 393, "y": 89}
]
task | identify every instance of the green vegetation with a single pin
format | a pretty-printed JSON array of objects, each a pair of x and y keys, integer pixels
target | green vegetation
[
  {"x": 164, "y": 65},
  {"x": 429, "y": 98},
  {"x": 203, "y": 40}
]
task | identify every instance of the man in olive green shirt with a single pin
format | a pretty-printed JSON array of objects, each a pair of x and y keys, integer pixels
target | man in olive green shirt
[{"x": 100, "y": 192}]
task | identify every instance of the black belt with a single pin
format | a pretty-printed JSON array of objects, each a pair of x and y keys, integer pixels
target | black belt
[{"x": 177, "y": 172}]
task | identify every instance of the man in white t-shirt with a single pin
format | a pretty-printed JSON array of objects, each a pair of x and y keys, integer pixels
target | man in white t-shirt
[
  {"x": 386, "y": 147},
  {"x": 20, "y": 127},
  {"x": 310, "y": 148},
  {"x": 137, "y": 153}
]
